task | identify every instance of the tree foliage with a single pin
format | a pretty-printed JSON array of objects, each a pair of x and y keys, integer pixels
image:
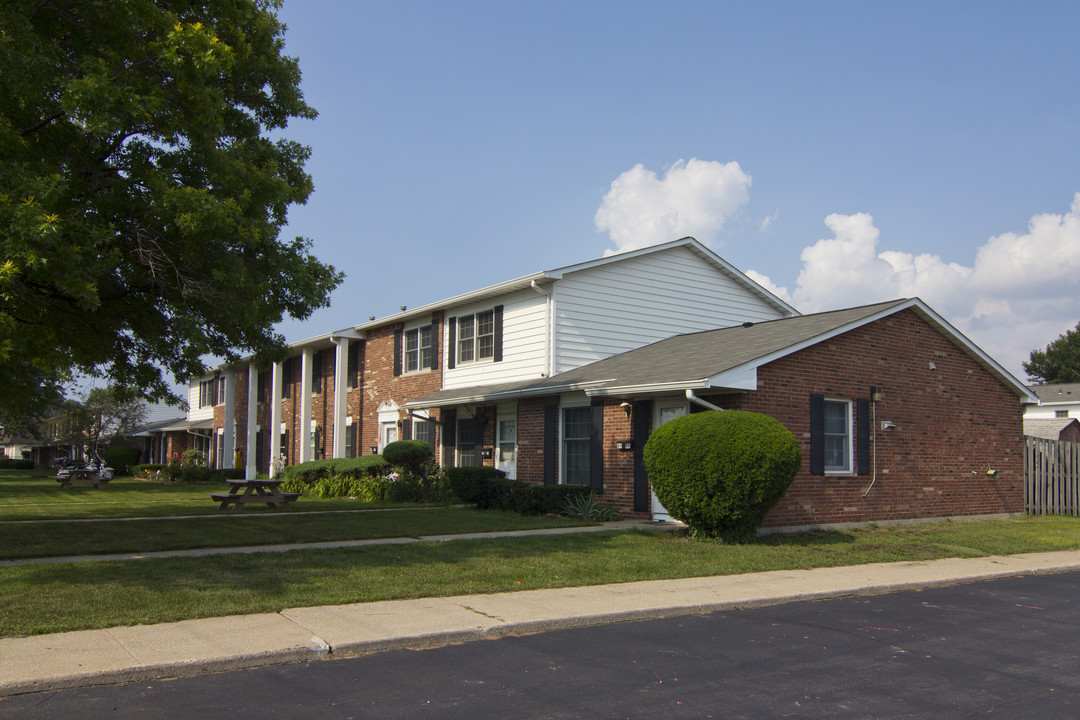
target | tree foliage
[
  {"x": 1059, "y": 362},
  {"x": 99, "y": 420},
  {"x": 142, "y": 191}
]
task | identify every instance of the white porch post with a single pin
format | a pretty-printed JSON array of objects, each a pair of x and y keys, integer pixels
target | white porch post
[
  {"x": 274, "y": 436},
  {"x": 229, "y": 446},
  {"x": 341, "y": 392},
  {"x": 252, "y": 426},
  {"x": 303, "y": 433}
]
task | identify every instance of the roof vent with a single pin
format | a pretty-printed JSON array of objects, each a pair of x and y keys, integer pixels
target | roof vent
[{"x": 748, "y": 324}]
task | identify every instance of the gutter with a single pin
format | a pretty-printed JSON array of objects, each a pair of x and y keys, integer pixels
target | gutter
[{"x": 698, "y": 401}]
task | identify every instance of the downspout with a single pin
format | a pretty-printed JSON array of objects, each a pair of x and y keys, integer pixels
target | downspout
[
  {"x": 698, "y": 401},
  {"x": 549, "y": 322}
]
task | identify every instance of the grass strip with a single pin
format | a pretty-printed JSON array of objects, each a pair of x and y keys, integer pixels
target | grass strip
[
  {"x": 34, "y": 540},
  {"x": 54, "y": 598}
]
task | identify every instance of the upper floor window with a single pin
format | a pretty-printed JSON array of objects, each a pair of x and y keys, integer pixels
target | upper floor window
[
  {"x": 208, "y": 392},
  {"x": 353, "y": 372},
  {"x": 476, "y": 336},
  {"x": 1061, "y": 413},
  {"x": 419, "y": 349}
]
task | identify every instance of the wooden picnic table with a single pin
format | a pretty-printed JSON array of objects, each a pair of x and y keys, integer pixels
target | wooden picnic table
[
  {"x": 81, "y": 477},
  {"x": 242, "y": 492}
]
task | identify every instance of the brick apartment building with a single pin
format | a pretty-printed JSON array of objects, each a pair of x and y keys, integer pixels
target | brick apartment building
[{"x": 559, "y": 377}]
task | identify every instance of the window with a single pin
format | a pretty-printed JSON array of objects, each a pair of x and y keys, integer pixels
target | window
[
  {"x": 476, "y": 336},
  {"x": 576, "y": 445},
  {"x": 316, "y": 372},
  {"x": 1061, "y": 413},
  {"x": 283, "y": 449},
  {"x": 837, "y": 436},
  {"x": 424, "y": 431},
  {"x": 263, "y": 386},
  {"x": 469, "y": 442},
  {"x": 207, "y": 393},
  {"x": 353, "y": 370},
  {"x": 286, "y": 379},
  {"x": 221, "y": 391},
  {"x": 350, "y": 438},
  {"x": 419, "y": 349}
]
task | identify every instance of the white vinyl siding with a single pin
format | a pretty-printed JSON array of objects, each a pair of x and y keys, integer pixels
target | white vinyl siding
[
  {"x": 612, "y": 308},
  {"x": 524, "y": 344},
  {"x": 195, "y": 412}
]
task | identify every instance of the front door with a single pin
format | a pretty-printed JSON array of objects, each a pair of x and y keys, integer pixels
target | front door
[
  {"x": 663, "y": 411},
  {"x": 506, "y": 455}
]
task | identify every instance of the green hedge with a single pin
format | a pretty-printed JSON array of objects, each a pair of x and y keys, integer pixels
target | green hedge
[
  {"x": 720, "y": 472},
  {"x": 488, "y": 489},
  {"x": 365, "y": 478},
  {"x": 186, "y": 473},
  {"x": 13, "y": 464},
  {"x": 121, "y": 459}
]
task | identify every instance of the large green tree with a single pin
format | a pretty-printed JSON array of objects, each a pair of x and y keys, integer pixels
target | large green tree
[
  {"x": 1059, "y": 362},
  {"x": 143, "y": 185}
]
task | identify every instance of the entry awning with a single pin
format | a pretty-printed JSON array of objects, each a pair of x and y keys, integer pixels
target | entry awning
[{"x": 183, "y": 425}]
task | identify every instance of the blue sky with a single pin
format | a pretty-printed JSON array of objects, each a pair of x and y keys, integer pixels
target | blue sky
[{"x": 839, "y": 152}]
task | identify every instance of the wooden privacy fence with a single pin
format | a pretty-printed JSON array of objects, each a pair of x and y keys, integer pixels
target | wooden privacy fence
[{"x": 1051, "y": 477}]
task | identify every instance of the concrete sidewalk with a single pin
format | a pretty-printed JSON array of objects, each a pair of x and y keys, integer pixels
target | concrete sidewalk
[{"x": 192, "y": 647}]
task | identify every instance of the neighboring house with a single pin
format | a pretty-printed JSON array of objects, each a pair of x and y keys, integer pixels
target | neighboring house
[
  {"x": 1061, "y": 429},
  {"x": 15, "y": 447},
  {"x": 560, "y": 376},
  {"x": 1060, "y": 400}
]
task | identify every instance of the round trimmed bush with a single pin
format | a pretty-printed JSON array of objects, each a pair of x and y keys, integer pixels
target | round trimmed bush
[
  {"x": 721, "y": 471},
  {"x": 409, "y": 455}
]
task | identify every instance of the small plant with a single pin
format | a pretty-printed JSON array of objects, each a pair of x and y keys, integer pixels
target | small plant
[
  {"x": 193, "y": 457},
  {"x": 588, "y": 507}
]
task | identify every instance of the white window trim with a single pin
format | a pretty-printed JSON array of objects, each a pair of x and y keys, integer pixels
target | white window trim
[
  {"x": 475, "y": 339},
  {"x": 563, "y": 407},
  {"x": 420, "y": 368},
  {"x": 849, "y": 437}
]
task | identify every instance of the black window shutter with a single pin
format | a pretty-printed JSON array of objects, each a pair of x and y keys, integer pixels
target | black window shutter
[
  {"x": 406, "y": 428},
  {"x": 862, "y": 436},
  {"x": 596, "y": 445},
  {"x": 435, "y": 344},
  {"x": 498, "y": 333},
  {"x": 451, "y": 343},
  {"x": 641, "y": 422},
  {"x": 551, "y": 428},
  {"x": 397, "y": 352},
  {"x": 448, "y": 418},
  {"x": 817, "y": 434},
  {"x": 286, "y": 379}
]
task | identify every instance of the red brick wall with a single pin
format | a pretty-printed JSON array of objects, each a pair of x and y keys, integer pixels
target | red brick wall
[
  {"x": 953, "y": 423},
  {"x": 380, "y": 384}
]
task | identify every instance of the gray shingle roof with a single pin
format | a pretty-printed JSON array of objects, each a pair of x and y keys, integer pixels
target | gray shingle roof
[
  {"x": 1048, "y": 428},
  {"x": 1059, "y": 392}
]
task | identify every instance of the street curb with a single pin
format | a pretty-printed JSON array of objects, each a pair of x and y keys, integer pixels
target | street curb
[{"x": 323, "y": 633}]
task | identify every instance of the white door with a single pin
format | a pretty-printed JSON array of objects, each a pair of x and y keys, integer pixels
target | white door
[
  {"x": 506, "y": 452},
  {"x": 663, "y": 411}
]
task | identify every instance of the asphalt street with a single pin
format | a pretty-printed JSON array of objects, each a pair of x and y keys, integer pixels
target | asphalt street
[{"x": 1004, "y": 648}]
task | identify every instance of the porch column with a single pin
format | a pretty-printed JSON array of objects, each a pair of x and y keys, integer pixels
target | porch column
[
  {"x": 274, "y": 436},
  {"x": 303, "y": 433},
  {"x": 252, "y": 426},
  {"x": 341, "y": 393},
  {"x": 229, "y": 446}
]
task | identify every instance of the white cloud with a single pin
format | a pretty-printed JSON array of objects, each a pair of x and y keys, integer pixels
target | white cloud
[
  {"x": 695, "y": 197},
  {"x": 1018, "y": 294}
]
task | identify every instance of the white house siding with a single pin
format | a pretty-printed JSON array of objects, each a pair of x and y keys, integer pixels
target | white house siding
[
  {"x": 196, "y": 413},
  {"x": 525, "y": 346},
  {"x": 615, "y": 307}
]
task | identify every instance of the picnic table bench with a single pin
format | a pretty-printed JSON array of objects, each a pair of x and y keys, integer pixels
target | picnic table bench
[
  {"x": 242, "y": 492},
  {"x": 81, "y": 477}
]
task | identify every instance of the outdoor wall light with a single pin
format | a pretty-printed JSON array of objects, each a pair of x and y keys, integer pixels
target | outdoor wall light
[
  {"x": 627, "y": 408},
  {"x": 875, "y": 394},
  {"x": 374, "y": 449}
]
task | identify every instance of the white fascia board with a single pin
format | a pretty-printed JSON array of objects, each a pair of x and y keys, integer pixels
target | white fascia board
[
  {"x": 743, "y": 377},
  {"x": 482, "y": 397},
  {"x": 649, "y": 389},
  {"x": 503, "y": 288}
]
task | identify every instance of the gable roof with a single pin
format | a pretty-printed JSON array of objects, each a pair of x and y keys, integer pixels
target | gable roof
[
  {"x": 1057, "y": 393},
  {"x": 1047, "y": 428},
  {"x": 725, "y": 358},
  {"x": 546, "y": 277}
]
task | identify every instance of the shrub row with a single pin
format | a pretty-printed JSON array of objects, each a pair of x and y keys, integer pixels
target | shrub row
[
  {"x": 369, "y": 478},
  {"x": 488, "y": 489}
]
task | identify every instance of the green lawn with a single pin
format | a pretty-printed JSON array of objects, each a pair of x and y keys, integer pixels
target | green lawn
[{"x": 51, "y": 598}]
